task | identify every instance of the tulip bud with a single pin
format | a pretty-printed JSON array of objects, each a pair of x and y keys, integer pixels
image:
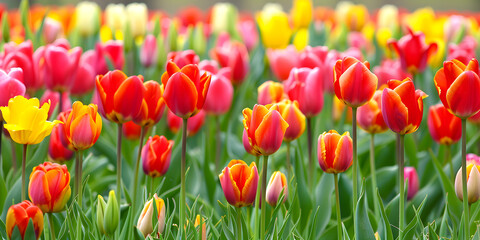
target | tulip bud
[
  {"x": 413, "y": 184},
  {"x": 335, "y": 151},
  {"x": 219, "y": 96},
  {"x": 235, "y": 56},
  {"x": 115, "y": 16},
  {"x": 239, "y": 183},
  {"x": 19, "y": 215},
  {"x": 145, "y": 224},
  {"x": 137, "y": 15},
  {"x": 270, "y": 92},
  {"x": 295, "y": 119},
  {"x": 131, "y": 130},
  {"x": 388, "y": 17},
  {"x": 101, "y": 206},
  {"x": 302, "y": 11},
  {"x": 87, "y": 18},
  {"x": 224, "y": 18},
  {"x": 156, "y": 155},
  {"x": 277, "y": 184},
  {"x": 306, "y": 86},
  {"x": 473, "y": 183},
  {"x": 112, "y": 214},
  {"x": 52, "y": 30},
  {"x": 444, "y": 127},
  {"x": 369, "y": 116},
  {"x": 84, "y": 81},
  {"x": 274, "y": 27}
]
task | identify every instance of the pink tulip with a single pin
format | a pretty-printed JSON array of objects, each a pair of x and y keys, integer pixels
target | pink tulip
[
  {"x": 11, "y": 85},
  {"x": 58, "y": 78},
  {"x": 464, "y": 51},
  {"x": 277, "y": 184},
  {"x": 389, "y": 69},
  {"x": 113, "y": 51},
  {"x": 270, "y": 92},
  {"x": 235, "y": 56},
  {"x": 248, "y": 32},
  {"x": 84, "y": 81},
  {"x": 305, "y": 86},
  {"x": 320, "y": 57},
  {"x": 54, "y": 98},
  {"x": 209, "y": 66},
  {"x": 52, "y": 30},
  {"x": 247, "y": 145},
  {"x": 183, "y": 58},
  {"x": 282, "y": 61},
  {"x": 21, "y": 56},
  {"x": 454, "y": 25},
  {"x": 413, "y": 184},
  {"x": 148, "y": 51},
  {"x": 219, "y": 96}
]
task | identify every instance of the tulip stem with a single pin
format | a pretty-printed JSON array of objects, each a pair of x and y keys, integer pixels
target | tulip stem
[
  {"x": 52, "y": 227},
  {"x": 60, "y": 102},
  {"x": 374, "y": 175},
  {"x": 14, "y": 155},
  {"x": 464, "y": 178},
  {"x": 448, "y": 160},
  {"x": 289, "y": 165},
  {"x": 78, "y": 177},
  {"x": 239, "y": 223},
  {"x": 264, "y": 202},
  {"x": 137, "y": 166},
  {"x": 218, "y": 145},
  {"x": 401, "y": 182},
  {"x": 182, "y": 175},
  {"x": 339, "y": 216},
  {"x": 354, "y": 135},
  {"x": 119, "y": 162},
  {"x": 310, "y": 150},
  {"x": 24, "y": 160},
  {"x": 257, "y": 202}
]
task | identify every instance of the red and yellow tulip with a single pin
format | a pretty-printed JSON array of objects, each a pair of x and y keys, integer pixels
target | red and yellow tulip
[
  {"x": 239, "y": 183},
  {"x": 369, "y": 116},
  {"x": 20, "y": 214},
  {"x": 156, "y": 155},
  {"x": 444, "y": 127},
  {"x": 335, "y": 151},
  {"x": 83, "y": 126}
]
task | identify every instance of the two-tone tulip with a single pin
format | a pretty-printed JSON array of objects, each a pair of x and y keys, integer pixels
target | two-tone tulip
[
  {"x": 305, "y": 86},
  {"x": 277, "y": 184},
  {"x": 239, "y": 183},
  {"x": 282, "y": 61},
  {"x": 121, "y": 97},
  {"x": 402, "y": 106},
  {"x": 413, "y": 182},
  {"x": 49, "y": 187},
  {"x": 265, "y": 128},
  {"x": 444, "y": 127},
  {"x": 220, "y": 95},
  {"x": 235, "y": 56},
  {"x": 270, "y": 92},
  {"x": 335, "y": 151},
  {"x": 145, "y": 224},
  {"x": 458, "y": 87},
  {"x": 19, "y": 215},
  {"x": 194, "y": 123},
  {"x": 153, "y": 105},
  {"x": 185, "y": 89},
  {"x": 294, "y": 117},
  {"x": 156, "y": 154},
  {"x": 369, "y": 116},
  {"x": 83, "y": 126},
  {"x": 473, "y": 183}
]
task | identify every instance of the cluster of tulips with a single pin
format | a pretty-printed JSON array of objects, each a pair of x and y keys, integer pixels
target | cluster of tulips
[{"x": 306, "y": 71}]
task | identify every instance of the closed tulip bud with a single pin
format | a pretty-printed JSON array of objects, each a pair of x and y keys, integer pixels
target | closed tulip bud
[
  {"x": 444, "y": 127},
  {"x": 101, "y": 206},
  {"x": 111, "y": 50},
  {"x": 350, "y": 73},
  {"x": 149, "y": 52},
  {"x": 57, "y": 152},
  {"x": 248, "y": 32},
  {"x": 473, "y": 183},
  {"x": 301, "y": 13},
  {"x": 265, "y": 128},
  {"x": 131, "y": 130},
  {"x": 60, "y": 79},
  {"x": 145, "y": 224},
  {"x": 458, "y": 86},
  {"x": 183, "y": 58},
  {"x": 84, "y": 81},
  {"x": 54, "y": 98},
  {"x": 194, "y": 123},
  {"x": 224, "y": 18},
  {"x": 185, "y": 89},
  {"x": 112, "y": 214},
  {"x": 306, "y": 87},
  {"x": 19, "y": 215},
  {"x": 87, "y": 18},
  {"x": 120, "y": 96},
  {"x": 137, "y": 15},
  {"x": 49, "y": 187},
  {"x": 52, "y": 30},
  {"x": 335, "y": 151},
  {"x": 413, "y": 51},
  {"x": 115, "y": 16},
  {"x": 274, "y": 27},
  {"x": 12, "y": 85},
  {"x": 277, "y": 184},
  {"x": 219, "y": 96},
  {"x": 413, "y": 184},
  {"x": 239, "y": 183},
  {"x": 153, "y": 105},
  {"x": 402, "y": 106},
  {"x": 21, "y": 56},
  {"x": 156, "y": 154},
  {"x": 388, "y": 70},
  {"x": 83, "y": 126},
  {"x": 235, "y": 56},
  {"x": 26, "y": 121},
  {"x": 270, "y": 92},
  {"x": 294, "y": 117},
  {"x": 282, "y": 61},
  {"x": 369, "y": 116}
]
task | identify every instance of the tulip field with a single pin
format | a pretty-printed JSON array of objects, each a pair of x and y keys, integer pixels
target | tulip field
[{"x": 127, "y": 122}]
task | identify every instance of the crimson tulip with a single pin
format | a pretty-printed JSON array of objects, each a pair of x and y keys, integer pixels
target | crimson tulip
[
  {"x": 111, "y": 50},
  {"x": 219, "y": 96},
  {"x": 60, "y": 79}
]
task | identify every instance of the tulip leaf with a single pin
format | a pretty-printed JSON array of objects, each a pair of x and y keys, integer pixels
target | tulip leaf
[
  {"x": 5, "y": 28},
  {"x": 362, "y": 222},
  {"x": 3, "y": 189},
  {"x": 304, "y": 198},
  {"x": 13, "y": 196},
  {"x": 324, "y": 192},
  {"x": 384, "y": 228},
  {"x": 3, "y": 230},
  {"x": 16, "y": 234},
  {"x": 411, "y": 150},
  {"x": 408, "y": 231},
  {"x": 24, "y": 12},
  {"x": 30, "y": 231},
  {"x": 345, "y": 233}
]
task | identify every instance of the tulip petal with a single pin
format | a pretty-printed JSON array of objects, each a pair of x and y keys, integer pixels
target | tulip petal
[
  {"x": 462, "y": 96},
  {"x": 395, "y": 113},
  {"x": 249, "y": 190},
  {"x": 228, "y": 186},
  {"x": 181, "y": 95},
  {"x": 343, "y": 154},
  {"x": 473, "y": 185},
  {"x": 270, "y": 132}
]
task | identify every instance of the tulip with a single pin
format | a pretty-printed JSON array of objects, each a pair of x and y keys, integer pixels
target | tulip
[
  {"x": 60, "y": 79},
  {"x": 413, "y": 51},
  {"x": 54, "y": 99},
  {"x": 334, "y": 151},
  {"x": 444, "y": 127},
  {"x": 209, "y": 66},
  {"x": 473, "y": 183},
  {"x": 270, "y": 92},
  {"x": 87, "y": 18},
  {"x": 402, "y": 106},
  {"x": 183, "y": 58},
  {"x": 12, "y": 86},
  {"x": 239, "y": 183},
  {"x": 274, "y": 27},
  {"x": 156, "y": 156},
  {"x": 120, "y": 96},
  {"x": 153, "y": 105},
  {"x": 412, "y": 176},
  {"x": 388, "y": 17},
  {"x": 302, "y": 11},
  {"x": 224, "y": 18},
  {"x": 137, "y": 15},
  {"x": 247, "y": 146},
  {"x": 148, "y": 51},
  {"x": 388, "y": 70},
  {"x": 353, "y": 16},
  {"x": 464, "y": 51},
  {"x": 19, "y": 215},
  {"x": 305, "y": 86},
  {"x": 185, "y": 90},
  {"x": 219, "y": 96},
  {"x": 321, "y": 57},
  {"x": 455, "y": 27},
  {"x": 84, "y": 80},
  {"x": 57, "y": 152},
  {"x": 21, "y": 56},
  {"x": 115, "y": 16},
  {"x": 277, "y": 184},
  {"x": 370, "y": 116},
  {"x": 49, "y": 187},
  {"x": 458, "y": 86},
  {"x": 144, "y": 223},
  {"x": 248, "y": 32},
  {"x": 131, "y": 130},
  {"x": 108, "y": 214},
  {"x": 83, "y": 126},
  {"x": 190, "y": 16},
  {"x": 282, "y": 61},
  {"x": 111, "y": 50},
  {"x": 52, "y": 30},
  {"x": 235, "y": 56},
  {"x": 194, "y": 123},
  {"x": 350, "y": 73},
  {"x": 294, "y": 117}
]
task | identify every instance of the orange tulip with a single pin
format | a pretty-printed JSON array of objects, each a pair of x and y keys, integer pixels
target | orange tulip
[
  {"x": 265, "y": 128},
  {"x": 19, "y": 215},
  {"x": 444, "y": 127},
  {"x": 354, "y": 83},
  {"x": 270, "y": 92},
  {"x": 295, "y": 119},
  {"x": 185, "y": 89},
  {"x": 49, "y": 187},
  {"x": 458, "y": 86},
  {"x": 152, "y": 105},
  {"x": 402, "y": 106},
  {"x": 239, "y": 183},
  {"x": 370, "y": 116},
  {"x": 83, "y": 126},
  {"x": 335, "y": 151}
]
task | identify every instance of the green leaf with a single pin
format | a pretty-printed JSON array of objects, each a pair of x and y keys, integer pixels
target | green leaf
[
  {"x": 385, "y": 228},
  {"x": 324, "y": 192},
  {"x": 24, "y": 11},
  {"x": 362, "y": 223},
  {"x": 3, "y": 230},
  {"x": 16, "y": 234},
  {"x": 345, "y": 233},
  {"x": 30, "y": 231}
]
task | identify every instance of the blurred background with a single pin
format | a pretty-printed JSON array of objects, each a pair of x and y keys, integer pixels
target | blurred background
[{"x": 254, "y": 5}]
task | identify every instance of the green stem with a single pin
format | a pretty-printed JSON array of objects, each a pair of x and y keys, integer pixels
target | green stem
[
  {"x": 119, "y": 163},
  {"x": 14, "y": 155},
  {"x": 257, "y": 201},
  {"x": 182, "y": 175},
  {"x": 137, "y": 166},
  {"x": 264, "y": 202},
  {"x": 52, "y": 228},
  {"x": 448, "y": 160},
  {"x": 310, "y": 152},
  {"x": 152, "y": 187},
  {"x": 239, "y": 223},
  {"x": 218, "y": 144},
  {"x": 24, "y": 161},
  {"x": 78, "y": 177},
  {"x": 464, "y": 178},
  {"x": 355, "y": 162},
  {"x": 401, "y": 182},
  {"x": 289, "y": 164},
  {"x": 374, "y": 175},
  {"x": 339, "y": 216}
]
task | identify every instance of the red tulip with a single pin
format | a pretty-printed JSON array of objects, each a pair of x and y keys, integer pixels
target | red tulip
[
  {"x": 57, "y": 151},
  {"x": 369, "y": 116},
  {"x": 335, "y": 151},
  {"x": 111, "y": 50},
  {"x": 458, "y": 86},
  {"x": 305, "y": 86},
  {"x": 239, "y": 183},
  {"x": 156, "y": 156},
  {"x": 183, "y": 58},
  {"x": 131, "y": 130},
  {"x": 194, "y": 123},
  {"x": 402, "y": 106},
  {"x": 148, "y": 51},
  {"x": 270, "y": 92},
  {"x": 21, "y": 56},
  {"x": 413, "y": 183},
  {"x": 413, "y": 51},
  {"x": 54, "y": 98},
  {"x": 219, "y": 96},
  {"x": 153, "y": 105},
  {"x": 11, "y": 85},
  {"x": 120, "y": 96},
  {"x": 185, "y": 89},
  {"x": 235, "y": 56},
  {"x": 388, "y": 70},
  {"x": 283, "y": 61},
  {"x": 354, "y": 83},
  {"x": 444, "y": 127},
  {"x": 60, "y": 79},
  {"x": 84, "y": 81},
  {"x": 19, "y": 215}
]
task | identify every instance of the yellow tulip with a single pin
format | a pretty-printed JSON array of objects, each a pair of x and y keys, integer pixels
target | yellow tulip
[
  {"x": 388, "y": 17},
  {"x": 274, "y": 27},
  {"x": 301, "y": 39},
  {"x": 302, "y": 12},
  {"x": 353, "y": 16},
  {"x": 87, "y": 18},
  {"x": 25, "y": 121}
]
